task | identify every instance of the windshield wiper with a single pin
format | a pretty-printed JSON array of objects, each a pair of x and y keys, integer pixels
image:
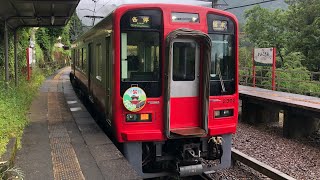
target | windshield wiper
[{"x": 220, "y": 79}]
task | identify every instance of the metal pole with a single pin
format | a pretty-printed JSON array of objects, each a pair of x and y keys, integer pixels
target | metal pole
[
  {"x": 274, "y": 70},
  {"x": 214, "y": 3},
  {"x": 15, "y": 59},
  {"x": 6, "y": 54}
]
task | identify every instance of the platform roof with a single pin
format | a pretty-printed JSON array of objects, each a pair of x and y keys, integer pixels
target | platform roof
[{"x": 37, "y": 13}]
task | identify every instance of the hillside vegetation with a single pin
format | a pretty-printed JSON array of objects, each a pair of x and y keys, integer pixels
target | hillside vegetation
[
  {"x": 15, "y": 101},
  {"x": 295, "y": 33},
  {"x": 239, "y": 12}
]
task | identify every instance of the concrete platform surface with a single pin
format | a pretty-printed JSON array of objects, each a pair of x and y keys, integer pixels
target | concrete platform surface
[
  {"x": 62, "y": 140},
  {"x": 289, "y": 99}
]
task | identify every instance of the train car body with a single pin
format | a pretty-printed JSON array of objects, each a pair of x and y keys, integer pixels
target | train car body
[{"x": 164, "y": 77}]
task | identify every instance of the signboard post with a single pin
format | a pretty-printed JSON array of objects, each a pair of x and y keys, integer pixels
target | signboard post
[
  {"x": 253, "y": 70},
  {"x": 264, "y": 57},
  {"x": 274, "y": 70}
]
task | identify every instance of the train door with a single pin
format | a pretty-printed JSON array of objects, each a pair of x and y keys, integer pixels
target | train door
[
  {"x": 185, "y": 115},
  {"x": 108, "y": 81}
]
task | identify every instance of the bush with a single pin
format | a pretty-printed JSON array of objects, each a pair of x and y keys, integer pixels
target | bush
[{"x": 14, "y": 105}]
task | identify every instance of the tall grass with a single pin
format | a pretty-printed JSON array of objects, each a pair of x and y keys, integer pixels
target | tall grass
[{"x": 14, "y": 105}]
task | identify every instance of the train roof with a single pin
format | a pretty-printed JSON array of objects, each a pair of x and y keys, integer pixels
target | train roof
[{"x": 103, "y": 24}]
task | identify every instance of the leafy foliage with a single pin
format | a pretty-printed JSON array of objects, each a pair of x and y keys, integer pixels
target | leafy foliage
[
  {"x": 296, "y": 35},
  {"x": 14, "y": 105},
  {"x": 294, "y": 31},
  {"x": 303, "y": 22},
  {"x": 7, "y": 172},
  {"x": 23, "y": 35},
  {"x": 75, "y": 27}
]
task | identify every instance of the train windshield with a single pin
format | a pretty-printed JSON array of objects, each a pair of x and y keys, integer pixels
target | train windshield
[
  {"x": 222, "y": 76},
  {"x": 140, "y": 56}
]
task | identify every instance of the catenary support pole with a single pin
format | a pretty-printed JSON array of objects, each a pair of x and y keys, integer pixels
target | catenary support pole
[
  {"x": 214, "y": 3},
  {"x": 15, "y": 59}
]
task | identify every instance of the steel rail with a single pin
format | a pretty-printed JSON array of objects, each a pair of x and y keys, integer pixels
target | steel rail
[{"x": 259, "y": 166}]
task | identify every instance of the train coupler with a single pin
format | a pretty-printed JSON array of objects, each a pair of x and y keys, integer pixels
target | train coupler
[
  {"x": 190, "y": 170},
  {"x": 190, "y": 161},
  {"x": 215, "y": 150}
]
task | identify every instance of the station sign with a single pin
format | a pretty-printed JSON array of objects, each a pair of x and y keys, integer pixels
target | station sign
[{"x": 263, "y": 56}]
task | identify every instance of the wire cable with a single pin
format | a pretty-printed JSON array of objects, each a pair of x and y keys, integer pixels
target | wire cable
[
  {"x": 103, "y": 6},
  {"x": 249, "y": 4}
]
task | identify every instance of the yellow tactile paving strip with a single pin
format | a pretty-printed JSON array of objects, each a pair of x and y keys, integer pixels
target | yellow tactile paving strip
[{"x": 65, "y": 162}]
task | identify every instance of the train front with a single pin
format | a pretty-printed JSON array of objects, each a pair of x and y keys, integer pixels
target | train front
[{"x": 177, "y": 100}]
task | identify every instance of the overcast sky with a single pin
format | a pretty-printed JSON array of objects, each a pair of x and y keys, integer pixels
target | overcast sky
[{"x": 104, "y": 7}]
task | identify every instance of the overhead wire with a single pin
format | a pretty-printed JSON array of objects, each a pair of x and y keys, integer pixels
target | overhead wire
[
  {"x": 103, "y": 6},
  {"x": 252, "y": 4}
]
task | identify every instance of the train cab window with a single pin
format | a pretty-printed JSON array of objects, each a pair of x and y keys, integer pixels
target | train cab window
[
  {"x": 223, "y": 64},
  {"x": 184, "y": 61},
  {"x": 140, "y": 46},
  {"x": 140, "y": 56},
  {"x": 222, "y": 61}
]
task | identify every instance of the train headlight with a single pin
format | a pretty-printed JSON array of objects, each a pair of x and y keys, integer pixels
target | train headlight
[
  {"x": 145, "y": 117},
  {"x": 131, "y": 117},
  {"x": 223, "y": 113}
]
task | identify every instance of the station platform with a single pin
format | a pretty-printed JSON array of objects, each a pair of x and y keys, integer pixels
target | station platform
[
  {"x": 301, "y": 113},
  {"x": 62, "y": 140}
]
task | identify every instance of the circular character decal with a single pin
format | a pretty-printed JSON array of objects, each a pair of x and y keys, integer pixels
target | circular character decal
[{"x": 134, "y": 99}]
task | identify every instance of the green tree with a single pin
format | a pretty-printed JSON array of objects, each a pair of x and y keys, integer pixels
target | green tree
[
  {"x": 265, "y": 28},
  {"x": 304, "y": 27},
  {"x": 43, "y": 39}
]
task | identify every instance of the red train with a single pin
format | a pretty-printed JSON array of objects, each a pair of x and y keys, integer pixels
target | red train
[{"x": 164, "y": 78}]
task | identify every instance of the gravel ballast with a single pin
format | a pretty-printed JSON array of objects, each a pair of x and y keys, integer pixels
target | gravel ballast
[{"x": 299, "y": 158}]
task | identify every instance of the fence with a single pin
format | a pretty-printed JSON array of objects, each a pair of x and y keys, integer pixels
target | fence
[{"x": 293, "y": 81}]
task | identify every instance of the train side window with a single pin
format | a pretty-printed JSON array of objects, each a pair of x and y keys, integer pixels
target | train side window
[
  {"x": 98, "y": 68},
  {"x": 91, "y": 59},
  {"x": 81, "y": 59},
  {"x": 84, "y": 60},
  {"x": 76, "y": 58}
]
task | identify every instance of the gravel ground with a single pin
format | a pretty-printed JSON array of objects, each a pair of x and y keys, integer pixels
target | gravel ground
[
  {"x": 239, "y": 171},
  {"x": 298, "y": 158}
]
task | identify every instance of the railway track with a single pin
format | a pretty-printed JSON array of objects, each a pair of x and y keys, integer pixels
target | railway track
[
  {"x": 259, "y": 166},
  {"x": 254, "y": 164}
]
